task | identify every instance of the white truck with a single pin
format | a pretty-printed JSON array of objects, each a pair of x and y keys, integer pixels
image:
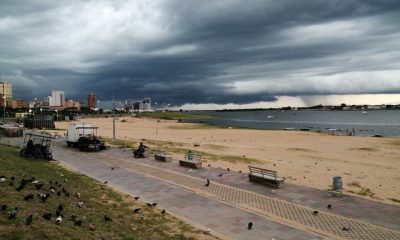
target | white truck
[{"x": 84, "y": 137}]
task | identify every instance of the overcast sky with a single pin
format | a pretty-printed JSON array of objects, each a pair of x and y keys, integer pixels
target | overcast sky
[{"x": 202, "y": 52}]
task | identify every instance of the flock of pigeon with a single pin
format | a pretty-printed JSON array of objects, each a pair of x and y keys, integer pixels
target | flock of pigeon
[{"x": 42, "y": 191}]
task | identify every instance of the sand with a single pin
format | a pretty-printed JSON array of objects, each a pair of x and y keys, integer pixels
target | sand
[{"x": 303, "y": 158}]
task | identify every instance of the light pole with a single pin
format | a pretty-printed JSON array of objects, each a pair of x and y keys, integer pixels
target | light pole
[
  {"x": 56, "y": 115},
  {"x": 41, "y": 111},
  {"x": 155, "y": 110},
  {"x": 113, "y": 140}
]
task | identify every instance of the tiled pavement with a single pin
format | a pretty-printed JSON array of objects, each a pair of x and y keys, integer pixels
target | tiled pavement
[{"x": 224, "y": 220}]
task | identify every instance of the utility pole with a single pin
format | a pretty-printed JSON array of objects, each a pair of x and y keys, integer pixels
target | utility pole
[{"x": 113, "y": 140}]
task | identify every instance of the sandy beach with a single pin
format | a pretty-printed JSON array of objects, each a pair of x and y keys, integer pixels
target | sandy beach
[{"x": 304, "y": 158}]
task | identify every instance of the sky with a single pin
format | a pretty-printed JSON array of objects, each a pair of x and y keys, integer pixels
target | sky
[{"x": 204, "y": 54}]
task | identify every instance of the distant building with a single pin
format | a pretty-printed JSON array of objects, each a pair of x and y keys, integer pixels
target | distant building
[
  {"x": 91, "y": 101},
  {"x": 57, "y": 99},
  {"x": 146, "y": 104},
  {"x": 19, "y": 103},
  {"x": 5, "y": 93}
]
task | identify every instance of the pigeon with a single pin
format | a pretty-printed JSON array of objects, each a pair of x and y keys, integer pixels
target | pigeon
[
  {"x": 80, "y": 204},
  {"x": 220, "y": 175},
  {"x": 29, "y": 219},
  {"x": 60, "y": 207},
  {"x": 58, "y": 193},
  {"x": 136, "y": 198},
  {"x": 228, "y": 169},
  {"x": 209, "y": 165},
  {"x": 190, "y": 170},
  {"x": 240, "y": 171},
  {"x": 38, "y": 186},
  {"x": 3, "y": 207},
  {"x": 136, "y": 210},
  {"x": 163, "y": 211},
  {"x": 346, "y": 228},
  {"x": 13, "y": 214},
  {"x": 112, "y": 168},
  {"x": 44, "y": 197},
  {"x": 149, "y": 204},
  {"x": 250, "y": 225},
  {"x": 105, "y": 182},
  {"x": 103, "y": 188},
  {"x": 206, "y": 232},
  {"x": 329, "y": 206},
  {"x": 78, "y": 195},
  {"x": 208, "y": 183},
  {"x": 315, "y": 212},
  {"x": 3, "y": 179},
  {"x": 78, "y": 223},
  {"x": 47, "y": 216},
  {"x": 12, "y": 178},
  {"x": 58, "y": 220},
  {"x": 35, "y": 182},
  {"x": 22, "y": 185},
  {"x": 28, "y": 197},
  {"x": 154, "y": 204},
  {"x": 107, "y": 218}
]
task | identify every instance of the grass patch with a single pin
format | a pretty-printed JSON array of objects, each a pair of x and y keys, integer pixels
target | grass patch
[
  {"x": 354, "y": 184},
  {"x": 365, "y": 192},
  {"x": 394, "y": 200},
  {"x": 97, "y": 199},
  {"x": 172, "y": 115},
  {"x": 181, "y": 148}
]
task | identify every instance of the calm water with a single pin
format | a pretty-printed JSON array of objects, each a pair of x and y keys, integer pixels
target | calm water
[{"x": 374, "y": 122}]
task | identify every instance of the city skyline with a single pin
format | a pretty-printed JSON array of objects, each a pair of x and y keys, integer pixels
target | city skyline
[{"x": 205, "y": 54}]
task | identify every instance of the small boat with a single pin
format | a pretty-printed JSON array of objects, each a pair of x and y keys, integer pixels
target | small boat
[
  {"x": 364, "y": 112},
  {"x": 270, "y": 117}
]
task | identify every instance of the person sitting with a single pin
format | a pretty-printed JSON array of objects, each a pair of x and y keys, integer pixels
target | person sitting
[{"x": 141, "y": 150}]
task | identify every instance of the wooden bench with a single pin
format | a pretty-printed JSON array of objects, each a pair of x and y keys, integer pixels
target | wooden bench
[
  {"x": 161, "y": 156},
  {"x": 265, "y": 176},
  {"x": 191, "y": 160}
]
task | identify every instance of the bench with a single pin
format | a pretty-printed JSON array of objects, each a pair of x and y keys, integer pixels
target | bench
[
  {"x": 191, "y": 160},
  {"x": 161, "y": 156},
  {"x": 265, "y": 176}
]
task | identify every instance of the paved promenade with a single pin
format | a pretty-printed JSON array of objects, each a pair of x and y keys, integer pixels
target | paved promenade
[{"x": 232, "y": 201}]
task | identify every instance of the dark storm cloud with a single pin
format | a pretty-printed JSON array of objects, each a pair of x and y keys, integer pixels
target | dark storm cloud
[{"x": 200, "y": 51}]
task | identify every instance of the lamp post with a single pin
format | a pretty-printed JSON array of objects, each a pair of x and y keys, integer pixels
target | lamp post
[
  {"x": 56, "y": 115},
  {"x": 155, "y": 109},
  {"x": 113, "y": 140},
  {"x": 41, "y": 111}
]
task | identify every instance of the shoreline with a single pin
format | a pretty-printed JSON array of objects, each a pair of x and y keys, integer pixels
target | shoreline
[{"x": 368, "y": 165}]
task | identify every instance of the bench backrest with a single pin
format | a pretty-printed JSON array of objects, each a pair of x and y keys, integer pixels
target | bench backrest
[
  {"x": 192, "y": 157},
  {"x": 262, "y": 171}
]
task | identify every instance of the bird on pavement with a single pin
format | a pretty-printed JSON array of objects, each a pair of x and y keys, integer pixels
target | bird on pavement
[
  {"x": 107, "y": 218},
  {"x": 149, "y": 204},
  {"x": 220, "y": 175},
  {"x": 60, "y": 207},
  {"x": 228, "y": 169},
  {"x": 136, "y": 198},
  {"x": 136, "y": 210},
  {"x": 154, "y": 204},
  {"x": 208, "y": 183},
  {"x": 58, "y": 220},
  {"x": 163, "y": 211},
  {"x": 329, "y": 206},
  {"x": 315, "y": 212},
  {"x": 250, "y": 225}
]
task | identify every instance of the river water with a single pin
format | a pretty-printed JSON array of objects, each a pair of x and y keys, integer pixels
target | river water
[{"x": 374, "y": 122}]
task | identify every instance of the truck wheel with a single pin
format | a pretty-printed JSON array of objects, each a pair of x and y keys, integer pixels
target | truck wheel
[
  {"x": 69, "y": 144},
  {"x": 23, "y": 153}
]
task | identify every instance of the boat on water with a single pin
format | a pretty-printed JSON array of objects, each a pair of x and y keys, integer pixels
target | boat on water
[
  {"x": 364, "y": 112},
  {"x": 270, "y": 117}
]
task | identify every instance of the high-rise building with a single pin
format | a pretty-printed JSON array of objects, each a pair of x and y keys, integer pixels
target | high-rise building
[
  {"x": 91, "y": 101},
  {"x": 57, "y": 99},
  {"x": 146, "y": 104},
  {"x": 5, "y": 93}
]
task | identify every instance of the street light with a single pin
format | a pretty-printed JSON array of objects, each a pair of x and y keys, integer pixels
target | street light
[
  {"x": 155, "y": 110},
  {"x": 41, "y": 111},
  {"x": 56, "y": 115},
  {"x": 4, "y": 109}
]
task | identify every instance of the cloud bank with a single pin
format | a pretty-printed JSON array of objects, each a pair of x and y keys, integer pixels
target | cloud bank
[{"x": 201, "y": 52}]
